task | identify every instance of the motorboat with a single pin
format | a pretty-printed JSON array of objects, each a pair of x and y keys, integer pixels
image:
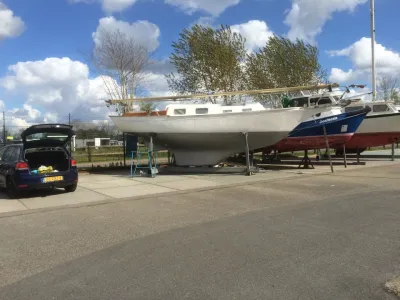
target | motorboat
[
  {"x": 380, "y": 127},
  {"x": 333, "y": 131}
]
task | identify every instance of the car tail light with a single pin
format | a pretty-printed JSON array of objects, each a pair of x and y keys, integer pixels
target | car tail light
[
  {"x": 21, "y": 166},
  {"x": 73, "y": 162}
]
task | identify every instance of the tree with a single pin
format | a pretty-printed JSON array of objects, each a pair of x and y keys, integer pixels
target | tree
[
  {"x": 208, "y": 60},
  {"x": 283, "y": 63},
  {"x": 121, "y": 62},
  {"x": 147, "y": 107},
  {"x": 388, "y": 87}
]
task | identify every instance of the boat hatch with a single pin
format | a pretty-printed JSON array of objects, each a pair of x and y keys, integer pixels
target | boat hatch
[{"x": 380, "y": 108}]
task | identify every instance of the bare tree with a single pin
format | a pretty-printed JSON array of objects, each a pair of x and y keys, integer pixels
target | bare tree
[
  {"x": 388, "y": 87},
  {"x": 121, "y": 61}
]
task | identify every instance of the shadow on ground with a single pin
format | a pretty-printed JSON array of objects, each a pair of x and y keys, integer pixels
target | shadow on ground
[{"x": 34, "y": 194}]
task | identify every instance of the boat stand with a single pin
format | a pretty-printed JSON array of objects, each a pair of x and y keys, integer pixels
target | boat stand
[
  {"x": 358, "y": 156},
  {"x": 344, "y": 156},
  {"x": 306, "y": 162}
]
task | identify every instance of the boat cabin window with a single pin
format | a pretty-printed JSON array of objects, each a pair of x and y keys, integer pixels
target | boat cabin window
[
  {"x": 180, "y": 111},
  {"x": 227, "y": 111},
  {"x": 201, "y": 111},
  {"x": 352, "y": 108},
  {"x": 246, "y": 109},
  {"x": 300, "y": 102},
  {"x": 314, "y": 101},
  {"x": 380, "y": 108},
  {"x": 324, "y": 100}
]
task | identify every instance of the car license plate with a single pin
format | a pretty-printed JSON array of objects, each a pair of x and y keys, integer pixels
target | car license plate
[{"x": 52, "y": 179}]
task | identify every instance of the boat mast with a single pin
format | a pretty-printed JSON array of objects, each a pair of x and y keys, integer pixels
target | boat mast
[
  {"x": 221, "y": 94},
  {"x": 373, "y": 50}
]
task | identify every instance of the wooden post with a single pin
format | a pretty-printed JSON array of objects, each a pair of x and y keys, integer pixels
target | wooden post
[
  {"x": 328, "y": 150},
  {"x": 344, "y": 156},
  {"x": 392, "y": 151},
  {"x": 248, "y": 166},
  {"x": 124, "y": 147},
  {"x": 151, "y": 149},
  {"x": 89, "y": 150},
  {"x": 4, "y": 129}
]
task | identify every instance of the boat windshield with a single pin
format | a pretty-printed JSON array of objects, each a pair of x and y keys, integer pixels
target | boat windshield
[{"x": 352, "y": 108}]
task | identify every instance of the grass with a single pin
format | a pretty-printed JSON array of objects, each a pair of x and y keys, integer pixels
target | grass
[
  {"x": 115, "y": 154},
  {"x": 108, "y": 154}
]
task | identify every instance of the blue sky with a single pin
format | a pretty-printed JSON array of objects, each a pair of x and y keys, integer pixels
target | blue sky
[{"x": 59, "y": 29}]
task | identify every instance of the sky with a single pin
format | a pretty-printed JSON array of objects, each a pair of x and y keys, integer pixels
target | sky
[{"x": 44, "y": 72}]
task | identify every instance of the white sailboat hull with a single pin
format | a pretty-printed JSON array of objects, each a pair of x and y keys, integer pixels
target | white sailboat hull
[{"x": 208, "y": 139}]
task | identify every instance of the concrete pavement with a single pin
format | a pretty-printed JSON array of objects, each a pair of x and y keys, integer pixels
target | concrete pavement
[
  {"x": 113, "y": 186},
  {"x": 315, "y": 237}
]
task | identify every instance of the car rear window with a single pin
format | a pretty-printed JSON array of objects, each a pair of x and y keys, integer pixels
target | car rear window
[{"x": 46, "y": 136}]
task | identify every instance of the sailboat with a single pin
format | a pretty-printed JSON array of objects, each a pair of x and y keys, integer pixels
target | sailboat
[{"x": 206, "y": 134}]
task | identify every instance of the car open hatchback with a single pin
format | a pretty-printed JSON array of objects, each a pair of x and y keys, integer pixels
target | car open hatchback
[{"x": 41, "y": 161}]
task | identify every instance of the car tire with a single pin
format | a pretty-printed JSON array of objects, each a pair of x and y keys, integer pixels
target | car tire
[
  {"x": 11, "y": 190},
  {"x": 71, "y": 188}
]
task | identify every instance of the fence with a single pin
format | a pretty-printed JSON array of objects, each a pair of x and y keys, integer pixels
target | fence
[{"x": 97, "y": 142}]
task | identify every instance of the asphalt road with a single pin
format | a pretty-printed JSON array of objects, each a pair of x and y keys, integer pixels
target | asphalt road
[{"x": 315, "y": 237}]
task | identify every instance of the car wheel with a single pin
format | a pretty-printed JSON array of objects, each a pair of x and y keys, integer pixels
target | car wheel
[
  {"x": 12, "y": 192},
  {"x": 71, "y": 188}
]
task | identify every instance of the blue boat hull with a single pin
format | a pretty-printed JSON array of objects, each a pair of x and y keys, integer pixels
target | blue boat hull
[{"x": 310, "y": 134}]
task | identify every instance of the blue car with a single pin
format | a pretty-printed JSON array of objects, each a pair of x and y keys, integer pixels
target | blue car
[{"x": 41, "y": 161}]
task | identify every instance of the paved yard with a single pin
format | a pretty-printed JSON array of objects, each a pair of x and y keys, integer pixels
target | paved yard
[
  {"x": 118, "y": 185},
  {"x": 304, "y": 237}
]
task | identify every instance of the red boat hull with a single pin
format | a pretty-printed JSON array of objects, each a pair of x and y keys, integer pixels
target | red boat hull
[
  {"x": 290, "y": 144},
  {"x": 375, "y": 139}
]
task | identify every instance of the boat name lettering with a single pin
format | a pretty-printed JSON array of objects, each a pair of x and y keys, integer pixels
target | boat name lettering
[{"x": 328, "y": 120}]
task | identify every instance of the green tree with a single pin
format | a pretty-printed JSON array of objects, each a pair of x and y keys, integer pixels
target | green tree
[
  {"x": 208, "y": 60},
  {"x": 283, "y": 63},
  {"x": 147, "y": 107}
]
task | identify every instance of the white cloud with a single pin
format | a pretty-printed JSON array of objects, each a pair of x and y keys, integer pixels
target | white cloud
[
  {"x": 213, "y": 7},
  {"x": 156, "y": 84},
  {"x": 204, "y": 21},
  {"x": 338, "y": 75},
  {"x": 306, "y": 18},
  {"x": 109, "y": 6},
  {"x": 10, "y": 25},
  {"x": 117, "y": 5},
  {"x": 256, "y": 33},
  {"x": 359, "y": 53},
  {"x": 143, "y": 32},
  {"x": 57, "y": 86}
]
